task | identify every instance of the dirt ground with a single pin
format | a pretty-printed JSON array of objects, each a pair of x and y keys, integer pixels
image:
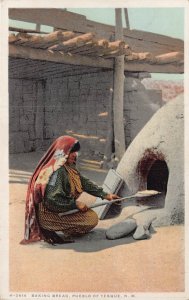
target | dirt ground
[{"x": 92, "y": 263}]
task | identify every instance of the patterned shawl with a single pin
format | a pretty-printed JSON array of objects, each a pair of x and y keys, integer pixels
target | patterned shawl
[{"x": 53, "y": 159}]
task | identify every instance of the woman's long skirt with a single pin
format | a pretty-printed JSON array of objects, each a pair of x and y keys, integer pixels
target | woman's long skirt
[{"x": 74, "y": 224}]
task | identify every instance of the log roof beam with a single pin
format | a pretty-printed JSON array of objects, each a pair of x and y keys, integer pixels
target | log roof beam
[
  {"x": 139, "y": 41},
  {"x": 59, "y": 57},
  {"x": 159, "y": 65}
]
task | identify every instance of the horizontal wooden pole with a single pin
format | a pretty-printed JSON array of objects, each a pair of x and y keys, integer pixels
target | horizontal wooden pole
[
  {"x": 145, "y": 56},
  {"x": 74, "y": 42},
  {"x": 38, "y": 54},
  {"x": 45, "y": 41},
  {"x": 154, "y": 68},
  {"x": 44, "y": 55},
  {"x": 56, "y": 18},
  {"x": 62, "y": 19},
  {"x": 173, "y": 57},
  {"x": 83, "y": 49},
  {"x": 16, "y": 29}
]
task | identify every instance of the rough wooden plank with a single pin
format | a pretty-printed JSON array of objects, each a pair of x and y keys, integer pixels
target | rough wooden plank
[
  {"x": 153, "y": 37},
  {"x": 154, "y": 68},
  {"x": 38, "y": 54},
  {"x": 52, "y": 17},
  {"x": 17, "y": 63},
  {"x": 152, "y": 47},
  {"x": 16, "y": 29}
]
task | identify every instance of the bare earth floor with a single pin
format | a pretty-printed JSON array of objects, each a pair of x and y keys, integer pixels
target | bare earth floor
[{"x": 92, "y": 263}]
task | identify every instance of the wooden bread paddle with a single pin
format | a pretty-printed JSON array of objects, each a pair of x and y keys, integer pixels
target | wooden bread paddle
[{"x": 139, "y": 194}]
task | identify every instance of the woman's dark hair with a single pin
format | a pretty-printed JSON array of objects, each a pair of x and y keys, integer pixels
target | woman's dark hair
[{"x": 75, "y": 148}]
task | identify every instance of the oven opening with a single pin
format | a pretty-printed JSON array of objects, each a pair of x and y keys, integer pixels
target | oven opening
[{"x": 157, "y": 179}]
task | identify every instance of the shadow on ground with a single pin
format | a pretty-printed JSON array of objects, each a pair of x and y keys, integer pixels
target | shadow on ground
[{"x": 92, "y": 242}]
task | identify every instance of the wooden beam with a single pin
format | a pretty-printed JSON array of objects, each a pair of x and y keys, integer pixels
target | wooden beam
[
  {"x": 118, "y": 94},
  {"x": 57, "y": 18},
  {"x": 12, "y": 38},
  {"x": 44, "y": 42},
  {"x": 126, "y": 18},
  {"x": 139, "y": 41},
  {"x": 173, "y": 57},
  {"x": 155, "y": 68},
  {"x": 99, "y": 47},
  {"x": 117, "y": 45},
  {"x": 16, "y": 29},
  {"x": 38, "y": 54},
  {"x": 74, "y": 42},
  {"x": 38, "y": 27},
  {"x": 115, "y": 53},
  {"x": 83, "y": 49},
  {"x": 148, "y": 57}
]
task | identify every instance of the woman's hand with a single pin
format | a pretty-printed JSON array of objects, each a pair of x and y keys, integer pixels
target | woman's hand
[
  {"x": 81, "y": 206},
  {"x": 110, "y": 197}
]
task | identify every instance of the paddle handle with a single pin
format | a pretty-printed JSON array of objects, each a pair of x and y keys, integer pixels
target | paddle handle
[
  {"x": 138, "y": 194},
  {"x": 96, "y": 205}
]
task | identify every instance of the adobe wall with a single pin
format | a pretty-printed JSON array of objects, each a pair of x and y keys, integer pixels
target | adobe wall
[
  {"x": 80, "y": 106},
  {"x": 42, "y": 110},
  {"x": 25, "y": 108}
]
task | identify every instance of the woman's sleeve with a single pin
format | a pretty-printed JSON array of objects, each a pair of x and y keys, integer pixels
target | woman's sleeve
[
  {"x": 91, "y": 188},
  {"x": 56, "y": 198}
]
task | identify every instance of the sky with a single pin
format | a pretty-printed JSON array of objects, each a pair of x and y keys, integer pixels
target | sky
[{"x": 167, "y": 21}]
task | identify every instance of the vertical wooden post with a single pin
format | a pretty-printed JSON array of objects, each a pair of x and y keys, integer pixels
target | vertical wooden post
[
  {"x": 38, "y": 27},
  {"x": 126, "y": 18},
  {"x": 119, "y": 135}
]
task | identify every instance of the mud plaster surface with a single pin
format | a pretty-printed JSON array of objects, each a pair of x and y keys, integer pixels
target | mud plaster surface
[{"x": 162, "y": 136}]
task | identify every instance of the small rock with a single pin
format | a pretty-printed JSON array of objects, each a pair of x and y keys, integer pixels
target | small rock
[
  {"x": 151, "y": 229},
  {"x": 121, "y": 229},
  {"x": 141, "y": 233}
]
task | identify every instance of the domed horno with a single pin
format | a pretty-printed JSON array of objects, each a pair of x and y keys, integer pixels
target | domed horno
[{"x": 155, "y": 160}]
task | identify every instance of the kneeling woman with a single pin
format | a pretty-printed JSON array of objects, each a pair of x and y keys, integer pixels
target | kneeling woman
[{"x": 54, "y": 188}]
